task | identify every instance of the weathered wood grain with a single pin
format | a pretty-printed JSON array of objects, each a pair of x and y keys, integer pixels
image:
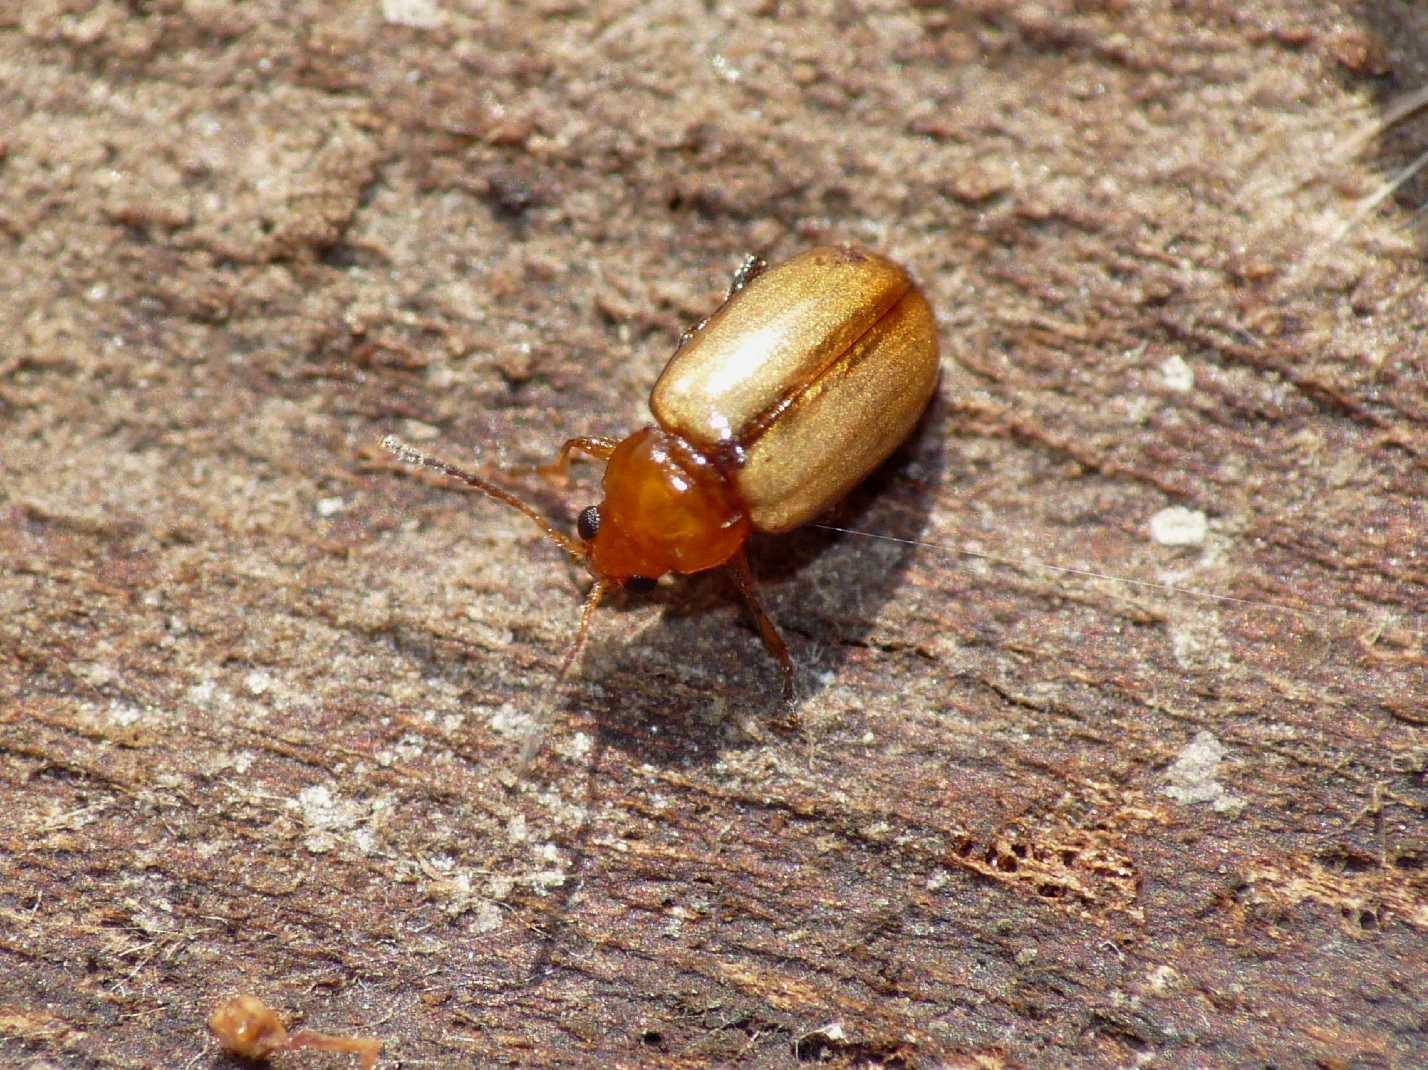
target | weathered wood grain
[{"x": 261, "y": 691}]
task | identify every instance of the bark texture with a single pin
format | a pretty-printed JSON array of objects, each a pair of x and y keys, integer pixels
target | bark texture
[{"x": 262, "y": 690}]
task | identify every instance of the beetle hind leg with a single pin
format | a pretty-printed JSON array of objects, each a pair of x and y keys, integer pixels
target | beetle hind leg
[
  {"x": 752, "y": 267},
  {"x": 744, "y": 579}
]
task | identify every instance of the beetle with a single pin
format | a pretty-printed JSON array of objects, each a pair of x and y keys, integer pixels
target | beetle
[{"x": 770, "y": 411}]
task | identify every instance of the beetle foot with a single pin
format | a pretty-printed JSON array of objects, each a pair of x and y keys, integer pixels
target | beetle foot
[{"x": 752, "y": 267}]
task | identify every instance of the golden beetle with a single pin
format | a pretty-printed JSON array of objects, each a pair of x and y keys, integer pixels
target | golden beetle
[{"x": 769, "y": 412}]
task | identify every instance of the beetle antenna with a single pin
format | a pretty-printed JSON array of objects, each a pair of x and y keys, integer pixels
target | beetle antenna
[
  {"x": 413, "y": 456},
  {"x": 531, "y": 747}
]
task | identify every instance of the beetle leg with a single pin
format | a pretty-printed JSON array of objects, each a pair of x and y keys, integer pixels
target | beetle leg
[
  {"x": 744, "y": 580},
  {"x": 752, "y": 267},
  {"x": 531, "y": 746},
  {"x": 599, "y": 448}
]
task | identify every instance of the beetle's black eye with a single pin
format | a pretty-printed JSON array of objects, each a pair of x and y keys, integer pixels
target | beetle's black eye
[
  {"x": 641, "y": 583},
  {"x": 588, "y": 522}
]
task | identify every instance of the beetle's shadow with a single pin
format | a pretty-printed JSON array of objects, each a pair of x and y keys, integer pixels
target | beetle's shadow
[{"x": 682, "y": 688}]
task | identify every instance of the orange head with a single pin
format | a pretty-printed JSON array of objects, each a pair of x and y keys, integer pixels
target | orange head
[{"x": 667, "y": 508}]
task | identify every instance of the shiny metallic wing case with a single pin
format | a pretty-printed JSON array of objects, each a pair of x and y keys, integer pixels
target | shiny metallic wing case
[{"x": 810, "y": 376}]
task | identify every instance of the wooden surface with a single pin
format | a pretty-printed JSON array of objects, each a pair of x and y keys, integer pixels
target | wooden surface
[{"x": 263, "y": 690}]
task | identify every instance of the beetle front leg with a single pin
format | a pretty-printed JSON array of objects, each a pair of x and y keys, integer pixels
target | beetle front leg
[
  {"x": 744, "y": 579},
  {"x": 597, "y": 447}
]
